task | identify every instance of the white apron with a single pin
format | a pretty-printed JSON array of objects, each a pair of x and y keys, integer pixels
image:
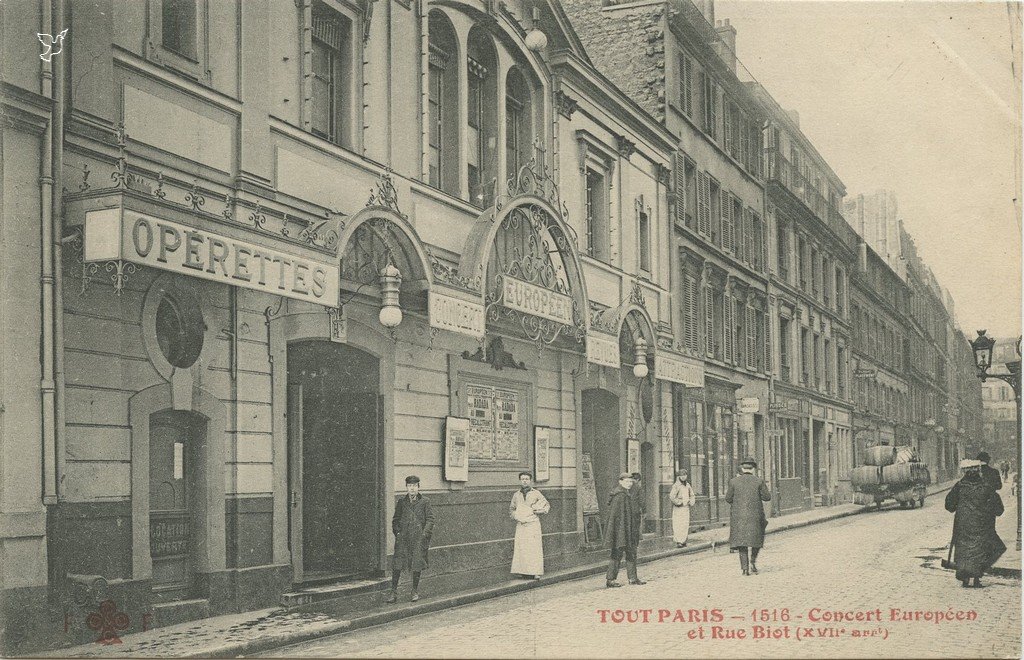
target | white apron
[
  {"x": 682, "y": 498},
  {"x": 528, "y": 551}
]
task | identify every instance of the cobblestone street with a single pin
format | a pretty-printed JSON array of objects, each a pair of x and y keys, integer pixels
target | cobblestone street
[{"x": 880, "y": 561}]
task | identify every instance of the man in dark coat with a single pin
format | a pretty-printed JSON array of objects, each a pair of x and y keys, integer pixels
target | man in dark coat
[
  {"x": 746, "y": 515},
  {"x": 976, "y": 545},
  {"x": 989, "y": 473},
  {"x": 412, "y": 524},
  {"x": 623, "y": 531}
]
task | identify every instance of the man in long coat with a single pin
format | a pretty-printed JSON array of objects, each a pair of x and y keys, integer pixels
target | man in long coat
[
  {"x": 528, "y": 549},
  {"x": 976, "y": 545},
  {"x": 746, "y": 515},
  {"x": 623, "y": 531},
  {"x": 412, "y": 524}
]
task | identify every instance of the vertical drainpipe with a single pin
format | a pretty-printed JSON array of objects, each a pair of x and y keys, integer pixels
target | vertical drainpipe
[
  {"x": 60, "y": 101},
  {"x": 46, "y": 179}
]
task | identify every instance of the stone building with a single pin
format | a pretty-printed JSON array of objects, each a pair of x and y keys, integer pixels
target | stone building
[
  {"x": 256, "y": 287},
  {"x": 813, "y": 252},
  {"x": 681, "y": 68}
]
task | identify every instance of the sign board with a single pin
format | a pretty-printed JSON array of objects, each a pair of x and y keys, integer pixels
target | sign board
[
  {"x": 588, "y": 488},
  {"x": 778, "y": 406},
  {"x": 456, "y": 449},
  {"x": 113, "y": 234},
  {"x": 536, "y": 300},
  {"x": 603, "y": 350},
  {"x": 632, "y": 455},
  {"x": 541, "y": 453},
  {"x": 679, "y": 370},
  {"x": 750, "y": 404},
  {"x": 455, "y": 314}
]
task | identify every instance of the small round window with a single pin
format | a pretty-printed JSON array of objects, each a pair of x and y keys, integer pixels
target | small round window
[{"x": 179, "y": 332}]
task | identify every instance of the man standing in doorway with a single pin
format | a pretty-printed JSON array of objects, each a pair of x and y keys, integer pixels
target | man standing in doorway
[
  {"x": 528, "y": 550},
  {"x": 746, "y": 515},
  {"x": 623, "y": 531},
  {"x": 412, "y": 524}
]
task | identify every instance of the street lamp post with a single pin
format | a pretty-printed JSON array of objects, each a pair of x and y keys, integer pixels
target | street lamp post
[{"x": 982, "y": 347}]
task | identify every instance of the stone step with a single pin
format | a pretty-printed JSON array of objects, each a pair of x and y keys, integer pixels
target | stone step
[
  {"x": 179, "y": 611},
  {"x": 316, "y": 593}
]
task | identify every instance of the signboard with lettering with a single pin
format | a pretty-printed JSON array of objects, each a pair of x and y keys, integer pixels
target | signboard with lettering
[
  {"x": 541, "y": 453},
  {"x": 750, "y": 404},
  {"x": 538, "y": 301},
  {"x": 455, "y": 314},
  {"x": 456, "y": 450},
  {"x": 112, "y": 234},
  {"x": 679, "y": 370},
  {"x": 168, "y": 535},
  {"x": 603, "y": 350}
]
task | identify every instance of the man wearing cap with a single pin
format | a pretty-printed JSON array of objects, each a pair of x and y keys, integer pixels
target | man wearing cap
[
  {"x": 528, "y": 548},
  {"x": 412, "y": 524},
  {"x": 976, "y": 545},
  {"x": 623, "y": 531},
  {"x": 989, "y": 473},
  {"x": 746, "y": 515}
]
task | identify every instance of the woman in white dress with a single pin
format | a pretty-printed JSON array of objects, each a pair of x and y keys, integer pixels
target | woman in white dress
[
  {"x": 526, "y": 507},
  {"x": 682, "y": 498}
]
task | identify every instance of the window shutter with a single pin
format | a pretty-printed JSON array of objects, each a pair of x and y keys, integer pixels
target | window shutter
[
  {"x": 693, "y": 340},
  {"x": 726, "y": 206},
  {"x": 687, "y": 86},
  {"x": 727, "y": 111},
  {"x": 703, "y": 204},
  {"x": 727, "y": 328},
  {"x": 709, "y": 320},
  {"x": 766, "y": 332},
  {"x": 751, "y": 338},
  {"x": 680, "y": 181}
]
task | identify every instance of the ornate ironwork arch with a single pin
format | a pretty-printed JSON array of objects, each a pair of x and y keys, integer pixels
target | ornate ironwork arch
[{"x": 378, "y": 235}]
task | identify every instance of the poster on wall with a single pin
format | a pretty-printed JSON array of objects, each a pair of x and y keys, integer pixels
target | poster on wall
[
  {"x": 541, "y": 455},
  {"x": 588, "y": 488},
  {"x": 506, "y": 425},
  {"x": 481, "y": 422},
  {"x": 456, "y": 448},
  {"x": 632, "y": 455}
]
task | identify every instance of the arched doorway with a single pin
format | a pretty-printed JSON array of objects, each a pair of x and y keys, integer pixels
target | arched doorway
[{"x": 335, "y": 422}]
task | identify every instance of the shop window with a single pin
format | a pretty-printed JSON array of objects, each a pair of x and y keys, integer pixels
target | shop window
[
  {"x": 518, "y": 114},
  {"x": 179, "y": 332},
  {"x": 442, "y": 105},
  {"x": 330, "y": 102},
  {"x": 482, "y": 133}
]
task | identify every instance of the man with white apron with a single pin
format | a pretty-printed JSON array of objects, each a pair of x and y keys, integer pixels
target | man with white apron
[{"x": 526, "y": 507}]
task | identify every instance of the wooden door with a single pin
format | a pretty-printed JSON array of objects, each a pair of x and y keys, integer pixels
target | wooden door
[{"x": 172, "y": 450}]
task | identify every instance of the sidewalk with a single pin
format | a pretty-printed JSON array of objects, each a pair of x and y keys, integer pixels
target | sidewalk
[
  {"x": 1006, "y": 526},
  {"x": 253, "y": 632}
]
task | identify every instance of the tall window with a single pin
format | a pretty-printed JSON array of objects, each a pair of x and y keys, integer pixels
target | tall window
[
  {"x": 716, "y": 212},
  {"x": 644, "y": 237},
  {"x": 178, "y": 27},
  {"x": 801, "y": 262},
  {"x": 784, "y": 340},
  {"x": 481, "y": 65},
  {"x": 328, "y": 107},
  {"x": 782, "y": 245},
  {"x": 805, "y": 358},
  {"x": 709, "y": 320},
  {"x": 829, "y": 382},
  {"x": 597, "y": 215},
  {"x": 442, "y": 106},
  {"x": 518, "y": 139},
  {"x": 691, "y": 297},
  {"x": 686, "y": 85},
  {"x": 841, "y": 371},
  {"x": 710, "y": 98}
]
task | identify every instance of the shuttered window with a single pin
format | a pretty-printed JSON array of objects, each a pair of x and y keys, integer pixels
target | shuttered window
[
  {"x": 751, "y": 338},
  {"x": 727, "y": 226},
  {"x": 680, "y": 191},
  {"x": 709, "y": 320},
  {"x": 690, "y": 314},
  {"x": 686, "y": 85},
  {"x": 728, "y": 331},
  {"x": 703, "y": 204}
]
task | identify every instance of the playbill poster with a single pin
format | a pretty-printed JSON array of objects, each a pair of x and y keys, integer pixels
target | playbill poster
[{"x": 322, "y": 318}]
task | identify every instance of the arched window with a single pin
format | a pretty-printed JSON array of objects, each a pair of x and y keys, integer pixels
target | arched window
[
  {"x": 443, "y": 105},
  {"x": 482, "y": 119},
  {"x": 518, "y": 122}
]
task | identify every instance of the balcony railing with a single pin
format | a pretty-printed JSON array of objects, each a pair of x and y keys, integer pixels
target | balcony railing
[{"x": 782, "y": 170}]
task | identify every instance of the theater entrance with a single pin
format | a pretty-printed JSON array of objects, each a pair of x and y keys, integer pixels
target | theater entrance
[{"x": 335, "y": 443}]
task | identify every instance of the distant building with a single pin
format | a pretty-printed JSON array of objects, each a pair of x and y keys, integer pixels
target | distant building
[{"x": 876, "y": 218}]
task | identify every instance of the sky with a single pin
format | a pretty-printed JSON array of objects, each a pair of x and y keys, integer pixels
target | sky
[{"x": 920, "y": 98}]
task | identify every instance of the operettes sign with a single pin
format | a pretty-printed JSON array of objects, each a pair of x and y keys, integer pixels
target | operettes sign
[{"x": 112, "y": 234}]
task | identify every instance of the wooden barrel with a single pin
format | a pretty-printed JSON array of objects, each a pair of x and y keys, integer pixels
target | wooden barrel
[
  {"x": 906, "y": 454},
  {"x": 880, "y": 455},
  {"x": 865, "y": 475},
  {"x": 905, "y": 474}
]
